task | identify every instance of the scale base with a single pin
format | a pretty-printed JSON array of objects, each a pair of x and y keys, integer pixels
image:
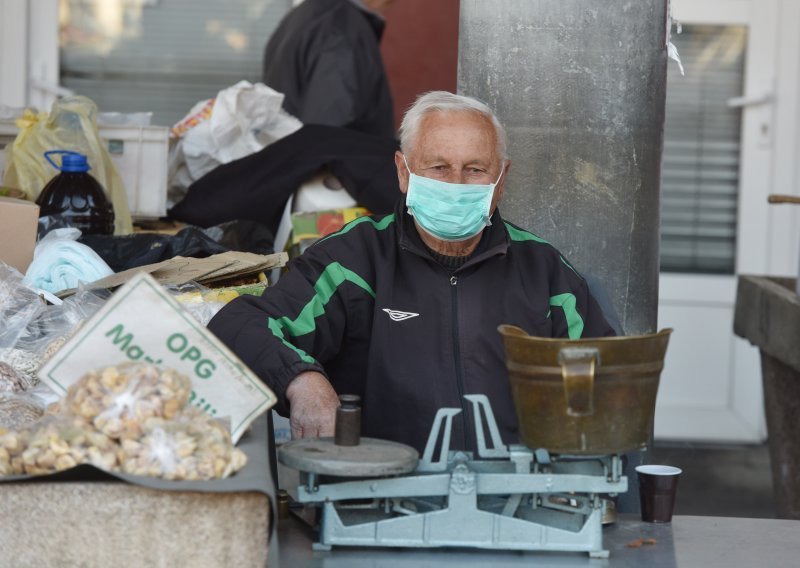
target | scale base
[{"x": 449, "y": 528}]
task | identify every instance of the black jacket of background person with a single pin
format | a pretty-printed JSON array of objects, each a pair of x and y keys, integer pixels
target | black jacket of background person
[
  {"x": 370, "y": 307},
  {"x": 324, "y": 57}
]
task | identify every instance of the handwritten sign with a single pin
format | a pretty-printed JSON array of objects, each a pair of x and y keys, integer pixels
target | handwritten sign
[{"x": 142, "y": 322}]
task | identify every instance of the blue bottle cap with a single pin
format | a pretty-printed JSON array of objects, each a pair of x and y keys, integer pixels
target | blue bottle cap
[{"x": 70, "y": 161}]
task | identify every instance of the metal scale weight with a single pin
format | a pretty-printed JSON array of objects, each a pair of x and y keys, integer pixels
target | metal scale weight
[{"x": 580, "y": 404}]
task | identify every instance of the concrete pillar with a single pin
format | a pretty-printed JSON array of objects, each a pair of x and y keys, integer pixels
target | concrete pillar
[{"x": 580, "y": 86}]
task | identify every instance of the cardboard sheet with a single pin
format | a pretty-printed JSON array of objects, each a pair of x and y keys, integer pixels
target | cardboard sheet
[{"x": 180, "y": 269}]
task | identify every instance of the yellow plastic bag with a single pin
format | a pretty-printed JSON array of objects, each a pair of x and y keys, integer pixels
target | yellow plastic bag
[{"x": 71, "y": 125}]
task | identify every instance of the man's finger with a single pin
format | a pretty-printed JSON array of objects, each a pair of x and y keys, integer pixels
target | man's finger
[{"x": 297, "y": 433}]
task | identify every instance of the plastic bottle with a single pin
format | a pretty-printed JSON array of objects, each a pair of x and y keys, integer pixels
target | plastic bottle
[{"x": 76, "y": 195}]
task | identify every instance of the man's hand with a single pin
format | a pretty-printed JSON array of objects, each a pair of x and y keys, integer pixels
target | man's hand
[{"x": 312, "y": 405}]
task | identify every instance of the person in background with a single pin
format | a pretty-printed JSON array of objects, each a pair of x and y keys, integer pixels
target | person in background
[
  {"x": 324, "y": 57},
  {"x": 402, "y": 309}
]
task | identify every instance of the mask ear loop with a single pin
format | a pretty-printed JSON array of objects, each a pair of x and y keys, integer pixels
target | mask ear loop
[
  {"x": 494, "y": 185},
  {"x": 406, "y": 163},
  {"x": 502, "y": 171},
  {"x": 408, "y": 208}
]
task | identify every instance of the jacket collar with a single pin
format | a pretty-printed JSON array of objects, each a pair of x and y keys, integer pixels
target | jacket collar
[
  {"x": 375, "y": 20},
  {"x": 495, "y": 240}
]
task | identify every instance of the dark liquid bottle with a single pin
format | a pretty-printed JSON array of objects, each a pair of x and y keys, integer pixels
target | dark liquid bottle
[{"x": 76, "y": 196}]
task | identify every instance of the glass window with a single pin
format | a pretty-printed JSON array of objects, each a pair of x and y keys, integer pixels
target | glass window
[
  {"x": 162, "y": 55},
  {"x": 700, "y": 176}
]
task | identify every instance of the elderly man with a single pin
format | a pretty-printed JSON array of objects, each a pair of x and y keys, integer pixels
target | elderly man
[{"x": 403, "y": 309}]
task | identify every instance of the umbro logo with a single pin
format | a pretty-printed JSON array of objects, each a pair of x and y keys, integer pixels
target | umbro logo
[{"x": 399, "y": 316}]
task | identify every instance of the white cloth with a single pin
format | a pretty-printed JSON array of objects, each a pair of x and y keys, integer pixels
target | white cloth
[{"x": 60, "y": 262}]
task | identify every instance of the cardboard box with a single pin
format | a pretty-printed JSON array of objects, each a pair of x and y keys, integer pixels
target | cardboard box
[{"x": 18, "y": 225}]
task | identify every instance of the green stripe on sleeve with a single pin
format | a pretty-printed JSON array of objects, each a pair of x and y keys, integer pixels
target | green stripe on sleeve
[
  {"x": 277, "y": 331},
  {"x": 568, "y": 303},
  {"x": 325, "y": 287}
]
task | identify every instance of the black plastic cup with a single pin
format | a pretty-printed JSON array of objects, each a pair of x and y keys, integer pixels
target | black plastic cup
[{"x": 657, "y": 487}]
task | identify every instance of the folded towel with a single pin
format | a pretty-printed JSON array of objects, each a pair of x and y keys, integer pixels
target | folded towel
[{"x": 60, "y": 262}]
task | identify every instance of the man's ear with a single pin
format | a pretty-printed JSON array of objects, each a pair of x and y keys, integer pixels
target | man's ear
[{"x": 402, "y": 171}]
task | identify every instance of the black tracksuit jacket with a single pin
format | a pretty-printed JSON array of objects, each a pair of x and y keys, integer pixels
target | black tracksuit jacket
[
  {"x": 325, "y": 58},
  {"x": 369, "y": 307}
]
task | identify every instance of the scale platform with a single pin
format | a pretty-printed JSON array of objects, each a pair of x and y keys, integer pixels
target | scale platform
[{"x": 511, "y": 497}]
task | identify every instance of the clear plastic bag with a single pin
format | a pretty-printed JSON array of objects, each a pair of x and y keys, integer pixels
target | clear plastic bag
[
  {"x": 19, "y": 305},
  {"x": 57, "y": 323},
  {"x": 12, "y": 444},
  {"x": 44, "y": 330},
  {"x": 192, "y": 446},
  {"x": 118, "y": 400},
  {"x": 18, "y": 410},
  {"x": 24, "y": 363},
  {"x": 12, "y": 380},
  {"x": 133, "y": 418},
  {"x": 59, "y": 441},
  {"x": 198, "y": 300},
  {"x": 52, "y": 443}
]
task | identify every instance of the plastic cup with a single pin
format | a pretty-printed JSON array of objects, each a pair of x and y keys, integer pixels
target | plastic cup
[{"x": 657, "y": 487}]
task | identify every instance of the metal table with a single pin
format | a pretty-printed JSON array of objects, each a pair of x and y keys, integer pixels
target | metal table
[{"x": 686, "y": 542}]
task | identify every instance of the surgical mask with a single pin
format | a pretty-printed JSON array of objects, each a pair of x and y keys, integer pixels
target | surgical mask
[{"x": 449, "y": 211}]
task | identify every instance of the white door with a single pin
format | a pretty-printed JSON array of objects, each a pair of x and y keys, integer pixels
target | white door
[
  {"x": 716, "y": 219},
  {"x": 28, "y": 53}
]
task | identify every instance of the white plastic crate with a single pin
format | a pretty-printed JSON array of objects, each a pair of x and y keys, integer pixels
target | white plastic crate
[{"x": 140, "y": 155}]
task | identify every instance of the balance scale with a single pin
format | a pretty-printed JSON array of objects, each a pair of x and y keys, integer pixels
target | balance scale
[{"x": 508, "y": 498}]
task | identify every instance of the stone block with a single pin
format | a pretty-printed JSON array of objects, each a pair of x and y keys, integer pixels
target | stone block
[
  {"x": 102, "y": 524},
  {"x": 87, "y": 518}
]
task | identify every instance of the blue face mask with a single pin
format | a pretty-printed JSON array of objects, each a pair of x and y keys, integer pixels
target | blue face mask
[{"x": 449, "y": 211}]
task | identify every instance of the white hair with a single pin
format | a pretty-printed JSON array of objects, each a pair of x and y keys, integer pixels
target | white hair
[{"x": 443, "y": 101}]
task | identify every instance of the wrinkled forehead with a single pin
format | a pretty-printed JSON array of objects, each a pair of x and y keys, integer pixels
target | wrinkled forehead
[
  {"x": 455, "y": 133},
  {"x": 467, "y": 118}
]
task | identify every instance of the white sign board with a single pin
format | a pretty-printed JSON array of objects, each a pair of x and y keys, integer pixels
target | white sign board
[{"x": 142, "y": 322}]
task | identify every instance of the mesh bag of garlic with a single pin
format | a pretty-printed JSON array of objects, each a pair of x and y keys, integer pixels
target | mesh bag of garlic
[{"x": 131, "y": 417}]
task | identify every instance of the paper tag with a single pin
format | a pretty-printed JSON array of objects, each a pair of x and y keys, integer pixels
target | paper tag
[{"x": 142, "y": 322}]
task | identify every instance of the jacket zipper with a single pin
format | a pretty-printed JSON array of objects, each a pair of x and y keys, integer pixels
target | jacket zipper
[{"x": 465, "y": 422}]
